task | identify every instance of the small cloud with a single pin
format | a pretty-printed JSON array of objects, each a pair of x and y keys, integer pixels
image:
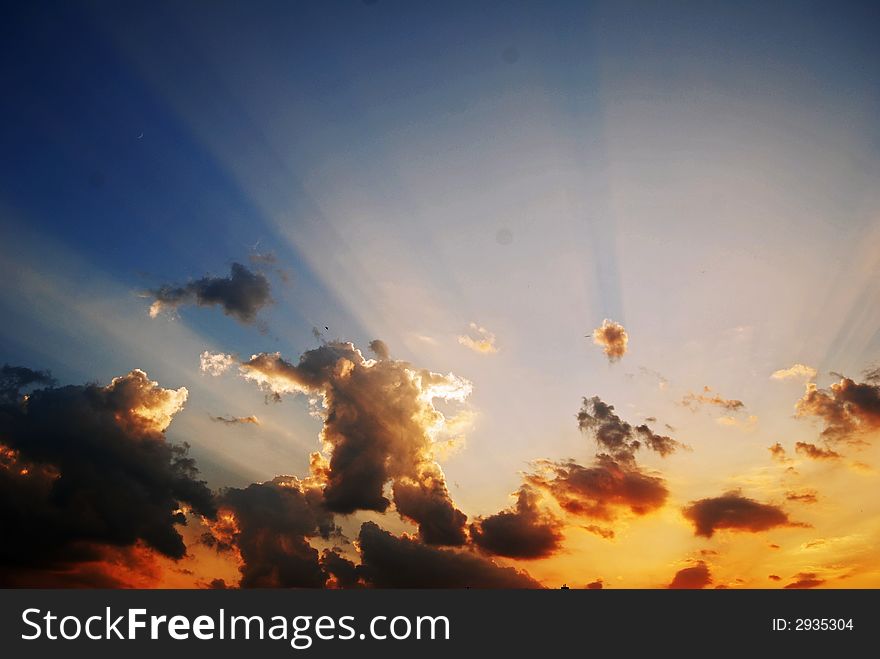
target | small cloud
[
  {"x": 241, "y": 295},
  {"x": 693, "y": 401},
  {"x": 804, "y": 580},
  {"x": 807, "y": 496},
  {"x": 692, "y": 578},
  {"x": 796, "y": 372},
  {"x": 816, "y": 452},
  {"x": 479, "y": 339},
  {"x": 236, "y": 420},
  {"x": 747, "y": 424},
  {"x": 598, "y": 584},
  {"x": 215, "y": 363},
  {"x": 777, "y": 452},
  {"x": 734, "y": 512},
  {"x": 613, "y": 339},
  {"x": 602, "y": 532},
  {"x": 775, "y": 577}
]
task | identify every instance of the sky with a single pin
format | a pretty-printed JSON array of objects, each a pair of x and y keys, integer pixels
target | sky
[{"x": 239, "y": 199}]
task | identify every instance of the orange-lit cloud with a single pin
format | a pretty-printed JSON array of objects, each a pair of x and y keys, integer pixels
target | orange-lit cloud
[
  {"x": 693, "y": 401},
  {"x": 815, "y": 452},
  {"x": 846, "y": 408},
  {"x": 805, "y": 580},
  {"x": 692, "y": 578},
  {"x": 87, "y": 467},
  {"x": 734, "y": 512},
  {"x": 523, "y": 531},
  {"x": 613, "y": 339}
]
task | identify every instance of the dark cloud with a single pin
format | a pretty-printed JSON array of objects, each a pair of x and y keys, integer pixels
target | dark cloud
[
  {"x": 270, "y": 524},
  {"x": 816, "y": 452},
  {"x": 13, "y": 379},
  {"x": 523, "y": 531},
  {"x": 388, "y": 561},
  {"x": 807, "y": 496},
  {"x": 428, "y": 502},
  {"x": 846, "y": 408},
  {"x": 379, "y": 416},
  {"x": 872, "y": 374},
  {"x": 693, "y": 401},
  {"x": 613, "y": 339},
  {"x": 380, "y": 349},
  {"x": 85, "y": 471},
  {"x": 602, "y": 490},
  {"x": 241, "y": 295},
  {"x": 236, "y": 420},
  {"x": 734, "y": 512},
  {"x": 618, "y": 437},
  {"x": 692, "y": 578},
  {"x": 598, "y": 584},
  {"x": 804, "y": 580},
  {"x": 775, "y": 577},
  {"x": 343, "y": 572}
]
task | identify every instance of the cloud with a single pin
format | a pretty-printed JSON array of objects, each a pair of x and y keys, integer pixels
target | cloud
[
  {"x": 601, "y": 531},
  {"x": 775, "y": 577},
  {"x": 236, "y": 420},
  {"x": 734, "y": 512},
  {"x": 379, "y": 427},
  {"x": 479, "y": 339},
  {"x": 804, "y": 580},
  {"x": 807, "y": 496},
  {"x": 692, "y": 578},
  {"x": 748, "y": 424},
  {"x": 241, "y": 295},
  {"x": 777, "y": 452},
  {"x": 523, "y": 531},
  {"x": 613, "y": 339},
  {"x": 618, "y": 437},
  {"x": 602, "y": 490},
  {"x": 795, "y": 372},
  {"x": 872, "y": 374},
  {"x": 388, "y": 561},
  {"x": 596, "y": 585},
  {"x": 215, "y": 363},
  {"x": 87, "y": 476},
  {"x": 693, "y": 401},
  {"x": 15, "y": 378},
  {"x": 380, "y": 349},
  {"x": 269, "y": 524},
  {"x": 846, "y": 408},
  {"x": 343, "y": 572},
  {"x": 816, "y": 452}
]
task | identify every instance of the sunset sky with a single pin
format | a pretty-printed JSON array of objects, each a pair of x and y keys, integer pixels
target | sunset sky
[{"x": 498, "y": 192}]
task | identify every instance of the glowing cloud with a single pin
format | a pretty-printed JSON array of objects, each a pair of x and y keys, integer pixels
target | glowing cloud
[
  {"x": 613, "y": 339},
  {"x": 796, "y": 372},
  {"x": 215, "y": 363},
  {"x": 379, "y": 427}
]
